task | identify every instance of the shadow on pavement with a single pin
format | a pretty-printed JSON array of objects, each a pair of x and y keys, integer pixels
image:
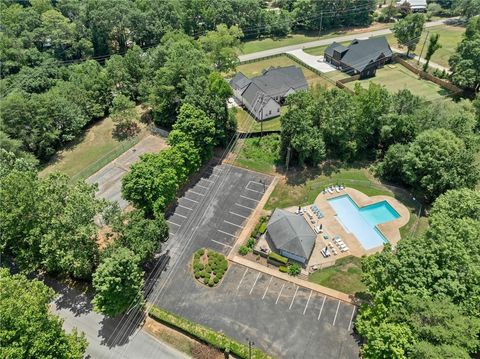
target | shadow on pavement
[
  {"x": 117, "y": 331},
  {"x": 76, "y": 301}
]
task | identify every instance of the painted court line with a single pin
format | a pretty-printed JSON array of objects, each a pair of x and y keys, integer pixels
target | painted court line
[
  {"x": 323, "y": 303},
  {"x": 351, "y": 318},
  {"x": 176, "y": 224},
  {"x": 200, "y": 194},
  {"x": 180, "y": 215},
  {"x": 229, "y": 234},
  {"x": 190, "y": 209},
  {"x": 190, "y": 199},
  {"x": 223, "y": 244},
  {"x": 306, "y": 305},
  {"x": 336, "y": 312},
  {"x": 291, "y": 303},
  {"x": 251, "y": 199},
  {"x": 241, "y": 205},
  {"x": 266, "y": 289},
  {"x": 233, "y": 224},
  {"x": 236, "y": 214},
  {"x": 280, "y": 293},
  {"x": 241, "y": 280},
  {"x": 251, "y": 289}
]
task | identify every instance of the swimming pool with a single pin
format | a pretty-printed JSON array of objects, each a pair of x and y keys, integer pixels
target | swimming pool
[{"x": 362, "y": 221}]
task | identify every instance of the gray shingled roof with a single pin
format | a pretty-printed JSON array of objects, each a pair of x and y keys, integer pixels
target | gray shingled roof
[
  {"x": 335, "y": 46},
  {"x": 239, "y": 81},
  {"x": 361, "y": 53},
  {"x": 291, "y": 232}
]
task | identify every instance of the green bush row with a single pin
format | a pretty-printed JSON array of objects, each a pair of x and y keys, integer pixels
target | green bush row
[
  {"x": 207, "y": 335},
  {"x": 277, "y": 257}
]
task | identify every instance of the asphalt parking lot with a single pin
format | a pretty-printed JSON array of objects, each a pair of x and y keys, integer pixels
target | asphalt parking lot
[{"x": 283, "y": 319}]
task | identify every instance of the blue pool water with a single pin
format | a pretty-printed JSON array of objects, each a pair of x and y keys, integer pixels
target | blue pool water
[{"x": 362, "y": 222}]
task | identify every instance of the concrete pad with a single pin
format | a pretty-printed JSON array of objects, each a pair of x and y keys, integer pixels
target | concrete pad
[{"x": 317, "y": 62}]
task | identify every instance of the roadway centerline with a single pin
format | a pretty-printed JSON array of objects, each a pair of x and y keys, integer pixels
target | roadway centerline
[
  {"x": 306, "y": 305},
  {"x": 223, "y": 244},
  {"x": 241, "y": 280},
  {"x": 229, "y": 234},
  {"x": 323, "y": 303},
  {"x": 351, "y": 318},
  {"x": 256, "y": 279},
  {"x": 233, "y": 224},
  {"x": 291, "y": 303},
  {"x": 251, "y": 199},
  {"x": 336, "y": 312},
  {"x": 241, "y": 205},
  {"x": 280, "y": 293},
  {"x": 266, "y": 289},
  {"x": 236, "y": 214}
]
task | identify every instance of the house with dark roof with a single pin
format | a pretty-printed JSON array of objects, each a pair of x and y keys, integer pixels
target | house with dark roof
[
  {"x": 263, "y": 95},
  {"x": 361, "y": 57},
  {"x": 415, "y": 5},
  {"x": 290, "y": 235}
]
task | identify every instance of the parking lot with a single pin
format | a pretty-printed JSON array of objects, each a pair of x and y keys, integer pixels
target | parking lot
[{"x": 283, "y": 319}]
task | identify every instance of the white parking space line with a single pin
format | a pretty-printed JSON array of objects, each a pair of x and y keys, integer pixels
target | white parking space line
[
  {"x": 241, "y": 205},
  {"x": 229, "y": 234},
  {"x": 223, "y": 244},
  {"x": 199, "y": 185},
  {"x": 266, "y": 289},
  {"x": 190, "y": 209},
  {"x": 336, "y": 312},
  {"x": 180, "y": 215},
  {"x": 233, "y": 224},
  {"x": 291, "y": 303},
  {"x": 323, "y": 303},
  {"x": 306, "y": 305},
  {"x": 171, "y": 234},
  {"x": 207, "y": 180},
  {"x": 200, "y": 194},
  {"x": 280, "y": 293},
  {"x": 251, "y": 199},
  {"x": 351, "y": 318},
  {"x": 190, "y": 199},
  {"x": 236, "y": 214},
  {"x": 176, "y": 224},
  {"x": 253, "y": 190},
  {"x": 241, "y": 280},
  {"x": 256, "y": 279}
]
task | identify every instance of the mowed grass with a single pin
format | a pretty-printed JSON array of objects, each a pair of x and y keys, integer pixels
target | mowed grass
[
  {"x": 345, "y": 276},
  {"x": 450, "y": 37},
  {"x": 395, "y": 77},
  {"x": 255, "y": 69},
  {"x": 246, "y": 123},
  {"x": 97, "y": 143}
]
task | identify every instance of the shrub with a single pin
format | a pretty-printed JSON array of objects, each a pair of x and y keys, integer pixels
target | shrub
[
  {"x": 263, "y": 228},
  {"x": 201, "y": 252},
  {"x": 251, "y": 243},
  {"x": 283, "y": 269},
  {"x": 197, "y": 275},
  {"x": 278, "y": 258},
  {"x": 212, "y": 272},
  {"x": 208, "y": 269},
  {"x": 243, "y": 250},
  {"x": 211, "y": 282},
  {"x": 216, "y": 280},
  {"x": 294, "y": 269}
]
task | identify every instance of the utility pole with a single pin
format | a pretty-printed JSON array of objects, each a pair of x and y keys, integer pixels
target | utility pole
[
  {"x": 421, "y": 52},
  {"x": 288, "y": 157},
  {"x": 321, "y": 21},
  {"x": 250, "y": 343}
]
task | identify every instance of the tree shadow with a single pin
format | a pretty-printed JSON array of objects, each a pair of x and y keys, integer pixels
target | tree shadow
[
  {"x": 117, "y": 331},
  {"x": 76, "y": 300}
]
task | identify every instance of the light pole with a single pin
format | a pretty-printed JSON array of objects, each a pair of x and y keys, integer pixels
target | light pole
[{"x": 250, "y": 343}]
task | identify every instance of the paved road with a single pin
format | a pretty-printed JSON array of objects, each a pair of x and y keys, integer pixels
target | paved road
[
  {"x": 76, "y": 311},
  {"x": 281, "y": 50}
]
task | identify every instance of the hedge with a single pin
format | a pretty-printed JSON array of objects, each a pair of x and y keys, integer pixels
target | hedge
[
  {"x": 204, "y": 334},
  {"x": 283, "y": 269},
  {"x": 277, "y": 257},
  {"x": 262, "y": 228}
]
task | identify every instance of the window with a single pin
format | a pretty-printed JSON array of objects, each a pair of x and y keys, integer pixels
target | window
[
  {"x": 270, "y": 112},
  {"x": 278, "y": 109}
]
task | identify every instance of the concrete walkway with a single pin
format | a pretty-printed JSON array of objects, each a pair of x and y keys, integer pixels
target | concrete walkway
[{"x": 323, "y": 42}]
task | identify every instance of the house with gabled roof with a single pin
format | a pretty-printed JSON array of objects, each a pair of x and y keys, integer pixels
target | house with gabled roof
[
  {"x": 290, "y": 235},
  {"x": 263, "y": 95},
  {"x": 361, "y": 57}
]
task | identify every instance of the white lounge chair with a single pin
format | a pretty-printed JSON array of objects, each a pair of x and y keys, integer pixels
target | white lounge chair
[{"x": 337, "y": 189}]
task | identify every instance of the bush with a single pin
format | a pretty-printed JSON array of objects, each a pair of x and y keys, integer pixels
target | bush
[
  {"x": 216, "y": 279},
  {"x": 201, "y": 252},
  {"x": 212, "y": 272},
  {"x": 283, "y": 269},
  {"x": 243, "y": 250},
  {"x": 263, "y": 228},
  {"x": 204, "y": 334},
  {"x": 294, "y": 269},
  {"x": 251, "y": 243},
  {"x": 278, "y": 258}
]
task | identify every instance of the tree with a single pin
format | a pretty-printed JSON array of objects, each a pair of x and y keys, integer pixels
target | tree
[
  {"x": 123, "y": 114},
  {"x": 29, "y": 330},
  {"x": 467, "y": 8},
  {"x": 118, "y": 283},
  {"x": 408, "y": 31},
  {"x": 222, "y": 46},
  {"x": 433, "y": 46},
  {"x": 465, "y": 62}
]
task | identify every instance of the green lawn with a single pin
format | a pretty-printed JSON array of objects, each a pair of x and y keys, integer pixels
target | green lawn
[
  {"x": 246, "y": 123},
  {"x": 95, "y": 147},
  {"x": 258, "y": 154},
  {"x": 396, "y": 77},
  {"x": 345, "y": 276},
  {"x": 255, "y": 68}
]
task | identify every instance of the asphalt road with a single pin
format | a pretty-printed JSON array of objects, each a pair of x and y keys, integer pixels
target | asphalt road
[
  {"x": 305, "y": 45},
  {"x": 76, "y": 310}
]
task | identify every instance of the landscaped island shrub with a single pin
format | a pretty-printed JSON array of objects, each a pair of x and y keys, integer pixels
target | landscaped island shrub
[
  {"x": 207, "y": 335},
  {"x": 209, "y": 266}
]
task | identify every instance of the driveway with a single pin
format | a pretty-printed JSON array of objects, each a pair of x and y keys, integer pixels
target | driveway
[
  {"x": 313, "y": 61},
  {"x": 109, "y": 178},
  {"x": 323, "y": 42}
]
